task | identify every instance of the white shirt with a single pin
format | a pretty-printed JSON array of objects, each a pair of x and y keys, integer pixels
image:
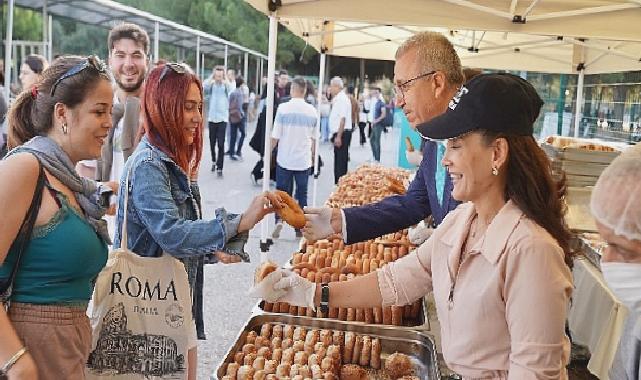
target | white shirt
[
  {"x": 295, "y": 129},
  {"x": 369, "y": 106},
  {"x": 341, "y": 108}
]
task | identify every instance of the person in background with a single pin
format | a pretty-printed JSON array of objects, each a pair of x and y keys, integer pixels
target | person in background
[
  {"x": 31, "y": 70},
  {"x": 310, "y": 95},
  {"x": 231, "y": 79},
  {"x": 294, "y": 134},
  {"x": 618, "y": 219},
  {"x": 498, "y": 265},
  {"x": 163, "y": 216},
  {"x": 362, "y": 118},
  {"x": 340, "y": 126},
  {"x": 46, "y": 330},
  {"x": 237, "y": 120},
  {"x": 378, "y": 111},
  {"x": 282, "y": 86},
  {"x": 218, "y": 115},
  {"x": 128, "y": 59},
  {"x": 325, "y": 109}
]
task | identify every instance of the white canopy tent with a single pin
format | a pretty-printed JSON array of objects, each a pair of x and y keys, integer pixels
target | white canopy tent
[{"x": 555, "y": 36}]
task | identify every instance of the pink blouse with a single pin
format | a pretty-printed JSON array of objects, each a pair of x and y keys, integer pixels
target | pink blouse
[{"x": 503, "y": 312}]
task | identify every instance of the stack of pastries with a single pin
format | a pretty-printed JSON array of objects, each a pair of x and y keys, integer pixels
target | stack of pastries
[{"x": 296, "y": 353}]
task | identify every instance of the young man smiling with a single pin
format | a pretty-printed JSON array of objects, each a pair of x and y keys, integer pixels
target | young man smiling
[{"x": 128, "y": 60}]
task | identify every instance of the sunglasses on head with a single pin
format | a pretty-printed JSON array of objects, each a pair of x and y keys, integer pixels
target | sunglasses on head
[
  {"x": 178, "y": 68},
  {"x": 90, "y": 62}
]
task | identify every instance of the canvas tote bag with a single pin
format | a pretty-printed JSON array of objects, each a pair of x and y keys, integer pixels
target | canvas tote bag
[{"x": 140, "y": 316}]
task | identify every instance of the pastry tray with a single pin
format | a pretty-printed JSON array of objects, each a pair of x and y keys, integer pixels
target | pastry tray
[
  {"x": 419, "y": 346},
  {"x": 421, "y": 323}
]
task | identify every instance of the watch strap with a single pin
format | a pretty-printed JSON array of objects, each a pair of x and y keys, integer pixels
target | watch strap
[{"x": 324, "y": 301}]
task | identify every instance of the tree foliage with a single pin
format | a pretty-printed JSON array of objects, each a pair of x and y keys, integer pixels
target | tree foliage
[{"x": 233, "y": 20}]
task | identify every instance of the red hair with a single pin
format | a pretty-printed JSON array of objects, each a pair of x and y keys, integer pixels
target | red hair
[{"x": 163, "y": 111}]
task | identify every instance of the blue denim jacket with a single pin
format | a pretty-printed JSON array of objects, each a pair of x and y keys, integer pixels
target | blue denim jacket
[{"x": 162, "y": 212}]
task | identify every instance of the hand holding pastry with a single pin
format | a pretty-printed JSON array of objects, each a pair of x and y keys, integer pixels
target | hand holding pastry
[
  {"x": 298, "y": 291},
  {"x": 267, "y": 275},
  {"x": 260, "y": 206}
]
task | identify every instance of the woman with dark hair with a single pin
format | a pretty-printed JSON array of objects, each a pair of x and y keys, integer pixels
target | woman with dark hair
[
  {"x": 31, "y": 70},
  {"x": 52, "y": 127},
  {"x": 163, "y": 214},
  {"x": 310, "y": 94},
  {"x": 498, "y": 264}
]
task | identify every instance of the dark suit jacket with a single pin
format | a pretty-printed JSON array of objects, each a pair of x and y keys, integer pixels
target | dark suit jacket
[{"x": 401, "y": 211}]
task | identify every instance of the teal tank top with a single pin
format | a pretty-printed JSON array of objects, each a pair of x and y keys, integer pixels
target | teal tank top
[{"x": 61, "y": 262}]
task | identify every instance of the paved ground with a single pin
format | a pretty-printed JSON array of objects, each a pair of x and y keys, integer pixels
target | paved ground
[{"x": 226, "y": 306}]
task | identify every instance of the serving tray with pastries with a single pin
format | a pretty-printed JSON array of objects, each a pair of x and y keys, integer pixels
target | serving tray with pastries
[{"x": 287, "y": 347}]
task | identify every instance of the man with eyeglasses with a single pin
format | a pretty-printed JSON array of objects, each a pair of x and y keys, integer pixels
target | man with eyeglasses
[{"x": 427, "y": 75}]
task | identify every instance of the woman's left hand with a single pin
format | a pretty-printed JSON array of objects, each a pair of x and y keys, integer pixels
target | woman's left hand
[
  {"x": 226, "y": 258},
  {"x": 261, "y": 205}
]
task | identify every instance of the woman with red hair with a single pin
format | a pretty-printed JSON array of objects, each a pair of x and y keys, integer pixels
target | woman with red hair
[{"x": 163, "y": 214}]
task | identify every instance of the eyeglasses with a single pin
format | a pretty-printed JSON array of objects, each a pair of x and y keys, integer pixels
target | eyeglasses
[
  {"x": 91, "y": 61},
  {"x": 178, "y": 68},
  {"x": 403, "y": 88}
]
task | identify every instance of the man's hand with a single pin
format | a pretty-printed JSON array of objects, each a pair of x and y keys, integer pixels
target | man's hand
[
  {"x": 226, "y": 258},
  {"x": 321, "y": 223},
  {"x": 414, "y": 157}
]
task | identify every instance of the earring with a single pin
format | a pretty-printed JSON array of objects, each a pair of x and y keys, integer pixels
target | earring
[
  {"x": 65, "y": 129},
  {"x": 495, "y": 171}
]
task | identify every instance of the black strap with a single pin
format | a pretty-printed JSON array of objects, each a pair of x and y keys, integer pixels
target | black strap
[{"x": 24, "y": 235}]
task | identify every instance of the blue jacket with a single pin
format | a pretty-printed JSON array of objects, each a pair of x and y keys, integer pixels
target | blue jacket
[
  {"x": 401, "y": 211},
  {"x": 162, "y": 212}
]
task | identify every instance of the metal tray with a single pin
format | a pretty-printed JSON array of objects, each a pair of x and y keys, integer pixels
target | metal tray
[
  {"x": 422, "y": 324},
  {"x": 418, "y": 345},
  {"x": 576, "y": 154}
]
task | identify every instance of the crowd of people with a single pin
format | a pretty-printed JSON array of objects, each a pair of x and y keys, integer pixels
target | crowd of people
[{"x": 102, "y": 151}]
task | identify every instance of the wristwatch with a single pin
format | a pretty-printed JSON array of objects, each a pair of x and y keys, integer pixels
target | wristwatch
[{"x": 324, "y": 301}]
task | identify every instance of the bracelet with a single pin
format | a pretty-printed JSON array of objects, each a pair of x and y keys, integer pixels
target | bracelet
[{"x": 7, "y": 366}]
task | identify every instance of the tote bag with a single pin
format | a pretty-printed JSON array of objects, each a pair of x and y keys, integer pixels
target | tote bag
[{"x": 140, "y": 316}]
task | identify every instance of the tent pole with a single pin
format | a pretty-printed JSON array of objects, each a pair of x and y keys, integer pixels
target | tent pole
[
  {"x": 246, "y": 68},
  {"x": 579, "y": 102},
  {"x": 156, "y": 41},
  {"x": 50, "y": 38},
  {"x": 45, "y": 29},
  {"x": 8, "y": 51},
  {"x": 198, "y": 55},
  {"x": 319, "y": 98},
  {"x": 269, "y": 120},
  {"x": 226, "y": 56},
  {"x": 257, "y": 88}
]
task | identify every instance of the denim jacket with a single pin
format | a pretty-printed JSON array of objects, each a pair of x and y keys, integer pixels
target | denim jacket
[{"x": 162, "y": 211}]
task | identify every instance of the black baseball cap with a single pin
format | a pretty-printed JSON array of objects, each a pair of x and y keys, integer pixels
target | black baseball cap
[{"x": 502, "y": 103}]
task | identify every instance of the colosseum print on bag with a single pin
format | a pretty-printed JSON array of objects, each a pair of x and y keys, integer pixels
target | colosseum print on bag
[{"x": 141, "y": 317}]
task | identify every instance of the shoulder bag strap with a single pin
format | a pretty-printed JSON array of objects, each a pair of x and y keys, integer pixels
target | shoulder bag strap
[{"x": 23, "y": 238}]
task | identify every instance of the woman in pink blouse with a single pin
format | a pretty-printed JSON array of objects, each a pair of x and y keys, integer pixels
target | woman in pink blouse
[{"x": 499, "y": 264}]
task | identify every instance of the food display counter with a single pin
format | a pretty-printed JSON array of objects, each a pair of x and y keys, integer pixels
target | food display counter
[{"x": 377, "y": 333}]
